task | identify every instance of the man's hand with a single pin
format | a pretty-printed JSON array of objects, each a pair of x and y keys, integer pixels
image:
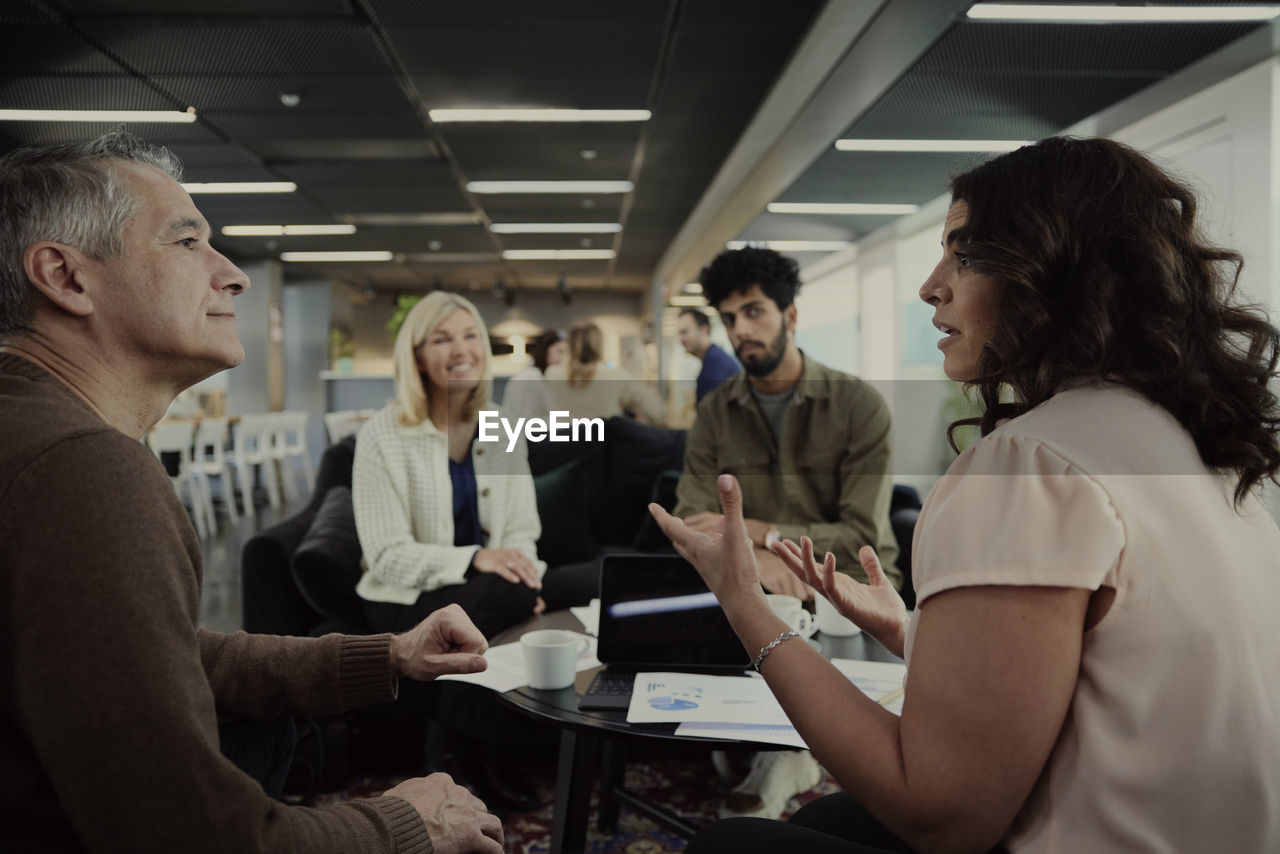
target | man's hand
[
  {"x": 777, "y": 578},
  {"x": 713, "y": 523},
  {"x": 445, "y": 642},
  {"x": 456, "y": 819},
  {"x": 511, "y": 564}
]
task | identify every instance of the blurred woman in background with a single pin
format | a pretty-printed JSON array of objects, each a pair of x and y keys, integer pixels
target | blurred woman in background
[
  {"x": 526, "y": 394},
  {"x": 588, "y": 388}
]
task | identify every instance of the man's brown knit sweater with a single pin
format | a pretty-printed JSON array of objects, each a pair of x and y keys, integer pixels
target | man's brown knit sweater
[{"x": 110, "y": 692}]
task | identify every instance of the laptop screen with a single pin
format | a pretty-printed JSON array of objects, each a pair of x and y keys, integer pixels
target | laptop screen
[{"x": 655, "y": 611}]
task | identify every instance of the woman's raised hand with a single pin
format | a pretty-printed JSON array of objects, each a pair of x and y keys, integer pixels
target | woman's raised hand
[
  {"x": 726, "y": 560},
  {"x": 875, "y": 606}
]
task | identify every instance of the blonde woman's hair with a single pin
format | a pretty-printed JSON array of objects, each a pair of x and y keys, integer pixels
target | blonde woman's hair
[
  {"x": 412, "y": 390},
  {"x": 586, "y": 348}
]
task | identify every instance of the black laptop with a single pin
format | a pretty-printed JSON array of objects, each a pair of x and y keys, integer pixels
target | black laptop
[{"x": 657, "y": 614}]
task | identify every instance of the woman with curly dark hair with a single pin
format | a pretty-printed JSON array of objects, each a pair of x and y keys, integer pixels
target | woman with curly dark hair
[{"x": 1092, "y": 663}]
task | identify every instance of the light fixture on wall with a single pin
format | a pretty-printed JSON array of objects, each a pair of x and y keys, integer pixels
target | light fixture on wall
[
  {"x": 499, "y": 287},
  {"x": 566, "y": 296}
]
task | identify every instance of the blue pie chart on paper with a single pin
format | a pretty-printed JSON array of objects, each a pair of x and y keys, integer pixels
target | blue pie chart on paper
[{"x": 672, "y": 704}]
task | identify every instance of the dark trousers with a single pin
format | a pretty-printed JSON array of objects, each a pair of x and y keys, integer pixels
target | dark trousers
[
  {"x": 492, "y": 602},
  {"x": 261, "y": 749},
  {"x": 835, "y": 824}
]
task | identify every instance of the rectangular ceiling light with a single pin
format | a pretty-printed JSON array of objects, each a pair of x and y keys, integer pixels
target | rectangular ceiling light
[
  {"x": 141, "y": 116},
  {"x": 943, "y": 145},
  {"x": 446, "y": 218},
  {"x": 285, "y": 230},
  {"x": 522, "y": 115},
  {"x": 842, "y": 208},
  {"x": 242, "y": 187},
  {"x": 1095, "y": 13},
  {"x": 550, "y": 186},
  {"x": 556, "y": 227},
  {"x": 793, "y": 245},
  {"x": 336, "y": 256},
  {"x": 558, "y": 254},
  {"x": 692, "y": 300}
]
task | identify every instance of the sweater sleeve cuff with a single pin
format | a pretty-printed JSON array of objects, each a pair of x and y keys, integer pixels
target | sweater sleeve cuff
[
  {"x": 366, "y": 670},
  {"x": 408, "y": 832}
]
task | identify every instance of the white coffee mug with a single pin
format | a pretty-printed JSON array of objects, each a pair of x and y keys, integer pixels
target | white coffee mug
[
  {"x": 832, "y": 622},
  {"x": 551, "y": 657},
  {"x": 791, "y": 611}
]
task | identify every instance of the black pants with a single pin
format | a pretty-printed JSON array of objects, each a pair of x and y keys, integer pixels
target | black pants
[
  {"x": 492, "y": 602},
  {"x": 261, "y": 749},
  {"x": 835, "y": 824}
]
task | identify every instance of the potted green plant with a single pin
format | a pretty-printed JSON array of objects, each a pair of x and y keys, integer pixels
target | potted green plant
[
  {"x": 404, "y": 303},
  {"x": 342, "y": 349}
]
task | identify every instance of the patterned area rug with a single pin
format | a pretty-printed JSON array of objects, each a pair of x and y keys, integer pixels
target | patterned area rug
[{"x": 687, "y": 785}]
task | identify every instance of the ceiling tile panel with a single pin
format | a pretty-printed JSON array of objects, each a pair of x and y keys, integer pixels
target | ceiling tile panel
[
  {"x": 319, "y": 93},
  {"x": 169, "y": 46}
]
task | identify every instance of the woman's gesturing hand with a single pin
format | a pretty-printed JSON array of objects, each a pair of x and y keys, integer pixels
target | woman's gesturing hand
[
  {"x": 726, "y": 560},
  {"x": 511, "y": 564},
  {"x": 875, "y": 606}
]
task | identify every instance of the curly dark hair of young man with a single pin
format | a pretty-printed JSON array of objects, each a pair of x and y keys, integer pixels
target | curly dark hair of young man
[
  {"x": 1105, "y": 274},
  {"x": 736, "y": 270}
]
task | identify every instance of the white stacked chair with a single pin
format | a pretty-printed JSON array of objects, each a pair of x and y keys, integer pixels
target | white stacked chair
[
  {"x": 176, "y": 437},
  {"x": 345, "y": 422},
  {"x": 289, "y": 441},
  {"x": 252, "y": 447},
  {"x": 211, "y": 460}
]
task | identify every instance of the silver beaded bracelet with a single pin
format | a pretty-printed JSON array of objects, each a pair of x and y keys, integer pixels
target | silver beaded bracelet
[{"x": 764, "y": 653}]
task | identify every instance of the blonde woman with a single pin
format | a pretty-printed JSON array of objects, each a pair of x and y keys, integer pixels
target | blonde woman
[
  {"x": 588, "y": 388},
  {"x": 442, "y": 519}
]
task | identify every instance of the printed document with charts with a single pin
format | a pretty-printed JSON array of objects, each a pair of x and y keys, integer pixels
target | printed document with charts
[{"x": 745, "y": 708}]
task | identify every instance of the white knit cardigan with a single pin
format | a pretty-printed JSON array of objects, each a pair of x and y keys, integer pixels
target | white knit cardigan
[{"x": 403, "y": 500}]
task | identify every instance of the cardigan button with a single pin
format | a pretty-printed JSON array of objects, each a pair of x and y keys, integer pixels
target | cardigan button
[
  {"x": 485, "y": 492},
  {"x": 479, "y": 452}
]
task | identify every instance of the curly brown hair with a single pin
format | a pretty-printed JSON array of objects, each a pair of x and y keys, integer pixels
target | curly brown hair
[{"x": 1104, "y": 273}]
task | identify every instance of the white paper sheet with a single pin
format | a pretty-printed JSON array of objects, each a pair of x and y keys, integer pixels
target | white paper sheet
[
  {"x": 588, "y": 615},
  {"x": 507, "y": 669},
  {"x": 678, "y": 697},
  {"x": 760, "y": 733},
  {"x": 882, "y": 681}
]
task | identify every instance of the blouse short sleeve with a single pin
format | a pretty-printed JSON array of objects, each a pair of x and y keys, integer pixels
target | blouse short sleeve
[{"x": 1012, "y": 511}]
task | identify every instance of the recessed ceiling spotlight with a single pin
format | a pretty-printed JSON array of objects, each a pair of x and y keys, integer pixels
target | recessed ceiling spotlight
[
  {"x": 1097, "y": 13},
  {"x": 588, "y": 204},
  {"x": 286, "y": 230},
  {"x": 588, "y": 154},
  {"x": 841, "y": 208},
  {"x": 335, "y": 256},
  {"x": 242, "y": 187},
  {"x": 523, "y": 115},
  {"x": 527, "y": 187},
  {"x": 556, "y": 227},
  {"x": 290, "y": 99},
  {"x": 558, "y": 254},
  {"x": 140, "y": 116},
  {"x": 980, "y": 146},
  {"x": 793, "y": 245},
  {"x": 585, "y": 243},
  {"x": 435, "y": 245}
]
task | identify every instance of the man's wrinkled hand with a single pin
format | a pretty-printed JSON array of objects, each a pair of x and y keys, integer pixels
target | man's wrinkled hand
[
  {"x": 457, "y": 820},
  {"x": 445, "y": 642}
]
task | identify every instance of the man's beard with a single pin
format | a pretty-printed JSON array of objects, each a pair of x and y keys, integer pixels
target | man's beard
[{"x": 761, "y": 365}]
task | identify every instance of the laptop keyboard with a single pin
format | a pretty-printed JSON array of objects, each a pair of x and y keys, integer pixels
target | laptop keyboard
[{"x": 608, "y": 691}]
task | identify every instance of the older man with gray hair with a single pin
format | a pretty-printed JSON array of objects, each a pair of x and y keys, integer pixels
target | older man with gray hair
[{"x": 112, "y": 301}]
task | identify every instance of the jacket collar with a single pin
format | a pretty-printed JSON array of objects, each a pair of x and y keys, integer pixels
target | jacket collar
[{"x": 811, "y": 386}]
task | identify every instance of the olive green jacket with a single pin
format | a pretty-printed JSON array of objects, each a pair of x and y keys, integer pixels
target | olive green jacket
[{"x": 828, "y": 477}]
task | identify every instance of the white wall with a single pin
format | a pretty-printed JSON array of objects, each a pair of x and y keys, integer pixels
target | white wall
[{"x": 1223, "y": 140}]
